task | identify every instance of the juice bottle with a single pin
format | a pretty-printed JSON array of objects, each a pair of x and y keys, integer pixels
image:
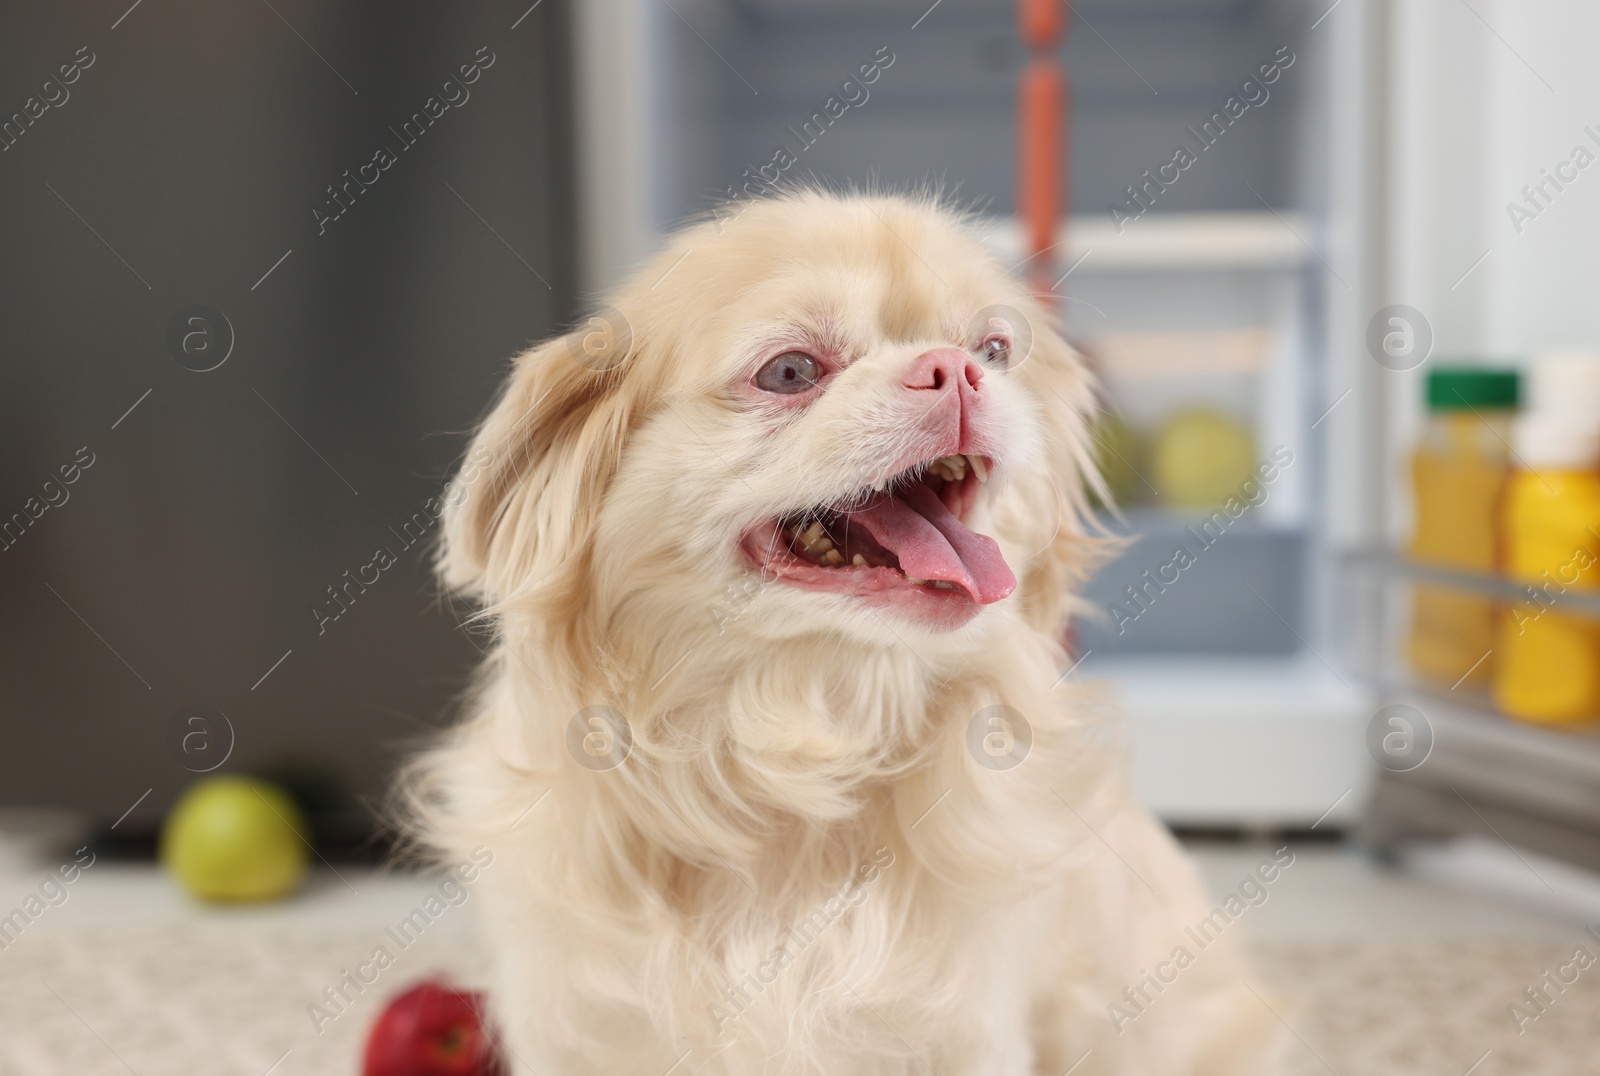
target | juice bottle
[
  {"x": 1548, "y": 660},
  {"x": 1458, "y": 471}
]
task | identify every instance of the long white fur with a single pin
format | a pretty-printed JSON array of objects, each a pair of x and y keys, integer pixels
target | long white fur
[{"x": 795, "y": 754}]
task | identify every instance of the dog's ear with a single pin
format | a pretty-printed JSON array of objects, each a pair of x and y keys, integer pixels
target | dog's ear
[{"x": 520, "y": 511}]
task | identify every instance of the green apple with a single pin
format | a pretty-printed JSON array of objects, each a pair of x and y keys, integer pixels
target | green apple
[
  {"x": 235, "y": 839},
  {"x": 1116, "y": 455},
  {"x": 1200, "y": 457}
]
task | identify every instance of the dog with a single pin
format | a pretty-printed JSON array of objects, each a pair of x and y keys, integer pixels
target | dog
[{"x": 773, "y": 748}]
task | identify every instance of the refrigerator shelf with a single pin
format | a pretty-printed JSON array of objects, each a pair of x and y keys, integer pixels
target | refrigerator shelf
[
  {"x": 1395, "y": 566},
  {"x": 1468, "y": 767},
  {"x": 1200, "y": 241},
  {"x": 1145, "y": 519},
  {"x": 1490, "y": 775}
]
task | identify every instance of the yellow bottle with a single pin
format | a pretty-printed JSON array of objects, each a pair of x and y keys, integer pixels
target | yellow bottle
[
  {"x": 1548, "y": 660},
  {"x": 1457, "y": 473}
]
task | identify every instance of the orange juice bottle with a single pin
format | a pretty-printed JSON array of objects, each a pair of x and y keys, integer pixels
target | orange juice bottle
[
  {"x": 1548, "y": 659},
  {"x": 1457, "y": 474}
]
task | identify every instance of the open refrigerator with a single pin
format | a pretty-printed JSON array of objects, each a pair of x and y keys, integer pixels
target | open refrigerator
[{"x": 1246, "y": 282}]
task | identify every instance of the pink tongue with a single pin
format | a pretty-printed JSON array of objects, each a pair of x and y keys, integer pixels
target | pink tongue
[{"x": 933, "y": 544}]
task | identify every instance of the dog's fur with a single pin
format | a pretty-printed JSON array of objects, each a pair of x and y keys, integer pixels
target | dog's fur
[{"x": 800, "y": 868}]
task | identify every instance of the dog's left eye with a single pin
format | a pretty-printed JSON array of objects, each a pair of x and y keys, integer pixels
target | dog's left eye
[
  {"x": 791, "y": 372},
  {"x": 997, "y": 349}
]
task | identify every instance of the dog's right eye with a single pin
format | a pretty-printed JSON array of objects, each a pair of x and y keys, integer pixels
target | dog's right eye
[{"x": 791, "y": 372}]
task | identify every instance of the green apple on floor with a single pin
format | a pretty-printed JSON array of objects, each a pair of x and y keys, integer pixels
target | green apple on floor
[{"x": 235, "y": 839}]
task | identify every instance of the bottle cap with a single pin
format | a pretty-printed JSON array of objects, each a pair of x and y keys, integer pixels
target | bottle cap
[
  {"x": 1545, "y": 440},
  {"x": 1457, "y": 388},
  {"x": 1566, "y": 384}
]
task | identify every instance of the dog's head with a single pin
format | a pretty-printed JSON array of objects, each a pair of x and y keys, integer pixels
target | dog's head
[{"x": 827, "y": 414}]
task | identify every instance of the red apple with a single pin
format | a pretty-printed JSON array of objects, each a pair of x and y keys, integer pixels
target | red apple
[{"x": 433, "y": 1029}]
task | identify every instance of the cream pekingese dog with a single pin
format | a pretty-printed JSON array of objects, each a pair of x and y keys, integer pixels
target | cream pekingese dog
[{"x": 773, "y": 750}]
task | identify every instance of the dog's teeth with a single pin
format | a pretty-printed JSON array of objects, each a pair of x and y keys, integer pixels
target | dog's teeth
[
  {"x": 832, "y": 558},
  {"x": 914, "y": 581},
  {"x": 942, "y": 584},
  {"x": 877, "y": 487},
  {"x": 949, "y": 468},
  {"x": 979, "y": 468},
  {"x": 858, "y": 560},
  {"x": 815, "y": 539}
]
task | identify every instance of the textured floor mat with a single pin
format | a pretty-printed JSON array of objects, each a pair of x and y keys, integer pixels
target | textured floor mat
[{"x": 177, "y": 1001}]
